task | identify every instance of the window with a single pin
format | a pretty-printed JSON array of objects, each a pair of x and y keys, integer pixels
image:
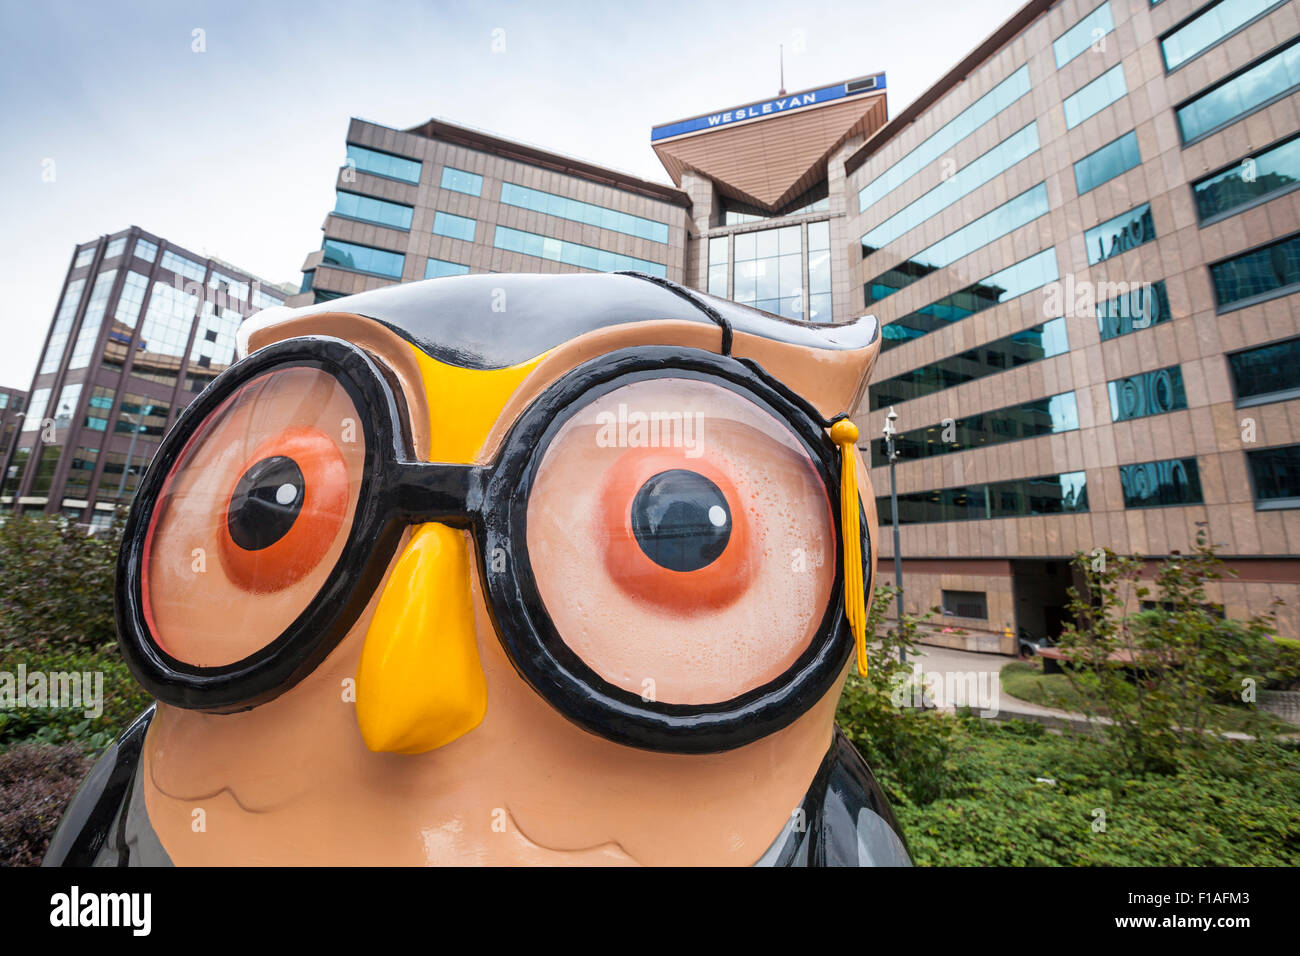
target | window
[
  {"x": 1118, "y": 235},
  {"x": 1251, "y": 181},
  {"x": 1030, "y": 345},
  {"x": 1211, "y": 26},
  {"x": 129, "y": 301},
  {"x": 384, "y": 164},
  {"x": 357, "y": 258},
  {"x": 1233, "y": 98},
  {"x": 458, "y": 180},
  {"x": 1010, "y": 283},
  {"x": 146, "y": 250},
  {"x": 586, "y": 213},
  {"x": 145, "y": 416},
  {"x": 308, "y": 277},
  {"x": 1043, "y": 416},
  {"x": 1268, "y": 373},
  {"x": 1140, "y": 306},
  {"x": 1094, "y": 97},
  {"x": 62, "y": 326},
  {"x": 571, "y": 253},
  {"x": 719, "y": 250},
  {"x": 1148, "y": 393},
  {"x": 1106, "y": 163},
  {"x": 1082, "y": 35},
  {"x": 98, "y": 407},
  {"x": 949, "y": 135},
  {"x": 1155, "y": 484},
  {"x": 80, "y": 470},
  {"x": 961, "y": 183},
  {"x": 93, "y": 319},
  {"x": 437, "y": 268},
  {"x": 266, "y": 300},
  {"x": 164, "y": 333},
  {"x": 1258, "y": 275},
  {"x": 1276, "y": 476},
  {"x": 973, "y": 604},
  {"x": 214, "y": 344},
  {"x": 228, "y": 285},
  {"x": 115, "y": 248},
  {"x": 84, "y": 256},
  {"x": 369, "y": 209},
  {"x": 66, "y": 406},
  {"x": 36, "y": 410},
  {"x": 993, "y": 225},
  {"x": 769, "y": 271},
  {"x": 183, "y": 267},
  {"x": 1022, "y": 497},
  {"x": 454, "y": 227},
  {"x": 819, "y": 272}
]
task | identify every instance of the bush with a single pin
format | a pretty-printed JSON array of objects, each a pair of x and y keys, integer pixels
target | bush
[
  {"x": 905, "y": 745},
  {"x": 123, "y": 698},
  {"x": 1017, "y": 795},
  {"x": 1157, "y": 675},
  {"x": 58, "y": 581},
  {"x": 36, "y": 783}
]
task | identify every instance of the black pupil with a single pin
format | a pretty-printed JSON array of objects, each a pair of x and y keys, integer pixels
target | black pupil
[
  {"x": 266, "y": 503},
  {"x": 681, "y": 520}
]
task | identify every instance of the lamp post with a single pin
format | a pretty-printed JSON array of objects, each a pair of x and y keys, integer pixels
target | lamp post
[
  {"x": 890, "y": 430},
  {"x": 130, "y": 449}
]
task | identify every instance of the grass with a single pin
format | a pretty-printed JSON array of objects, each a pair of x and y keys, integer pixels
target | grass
[{"x": 1026, "y": 681}]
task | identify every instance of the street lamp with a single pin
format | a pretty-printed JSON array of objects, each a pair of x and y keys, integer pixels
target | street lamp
[
  {"x": 130, "y": 449},
  {"x": 890, "y": 430}
]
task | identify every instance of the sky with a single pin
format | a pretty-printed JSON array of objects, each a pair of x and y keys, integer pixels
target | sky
[{"x": 228, "y": 140}]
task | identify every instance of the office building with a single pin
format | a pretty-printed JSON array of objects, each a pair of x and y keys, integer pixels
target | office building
[
  {"x": 1082, "y": 242},
  {"x": 1084, "y": 246},
  {"x": 141, "y": 326}
]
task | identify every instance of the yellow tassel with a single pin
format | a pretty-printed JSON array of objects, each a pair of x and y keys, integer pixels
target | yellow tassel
[{"x": 845, "y": 434}]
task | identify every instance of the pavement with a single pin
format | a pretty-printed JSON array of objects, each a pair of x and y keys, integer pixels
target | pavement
[
  {"x": 958, "y": 672},
  {"x": 991, "y": 702}
]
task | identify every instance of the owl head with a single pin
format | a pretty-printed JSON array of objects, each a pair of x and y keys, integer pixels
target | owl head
[{"x": 496, "y": 566}]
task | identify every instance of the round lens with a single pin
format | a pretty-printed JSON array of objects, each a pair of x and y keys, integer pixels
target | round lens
[
  {"x": 682, "y": 540},
  {"x": 252, "y": 517}
]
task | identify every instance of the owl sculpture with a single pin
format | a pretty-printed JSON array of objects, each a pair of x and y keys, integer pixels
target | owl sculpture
[{"x": 501, "y": 569}]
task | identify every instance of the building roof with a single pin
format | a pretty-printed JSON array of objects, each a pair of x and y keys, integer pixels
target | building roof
[
  {"x": 519, "y": 152},
  {"x": 767, "y": 154}
]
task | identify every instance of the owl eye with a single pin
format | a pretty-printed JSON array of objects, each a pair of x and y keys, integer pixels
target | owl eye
[
  {"x": 679, "y": 533},
  {"x": 252, "y": 517},
  {"x": 681, "y": 520},
  {"x": 266, "y": 503},
  {"x": 285, "y": 510}
]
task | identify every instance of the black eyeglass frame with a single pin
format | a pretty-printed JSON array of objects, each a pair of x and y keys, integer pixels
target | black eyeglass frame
[{"x": 491, "y": 501}]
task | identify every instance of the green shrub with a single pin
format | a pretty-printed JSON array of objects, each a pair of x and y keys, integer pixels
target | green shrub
[
  {"x": 58, "y": 581},
  {"x": 123, "y": 698},
  {"x": 905, "y": 745},
  {"x": 1016, "y": 795},
  {"x": 1158, "y": 675}
]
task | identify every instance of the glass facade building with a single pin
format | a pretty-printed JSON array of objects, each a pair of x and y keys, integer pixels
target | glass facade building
[
  {"x": 1154, "y": 283},
  {"x": 142, "y": 326}
]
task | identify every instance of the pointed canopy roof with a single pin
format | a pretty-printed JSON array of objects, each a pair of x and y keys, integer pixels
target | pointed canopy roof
[{"x": 771, "y": 152}]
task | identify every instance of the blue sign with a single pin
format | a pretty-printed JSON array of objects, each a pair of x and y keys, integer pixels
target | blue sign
[{"x": 795, "y": 101}]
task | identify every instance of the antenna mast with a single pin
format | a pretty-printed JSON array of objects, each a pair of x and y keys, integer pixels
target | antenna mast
[{"x": 781, "y": 47}]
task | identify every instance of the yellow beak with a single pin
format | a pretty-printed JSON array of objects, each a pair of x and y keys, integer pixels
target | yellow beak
[{"x": 420, "y": 684}]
